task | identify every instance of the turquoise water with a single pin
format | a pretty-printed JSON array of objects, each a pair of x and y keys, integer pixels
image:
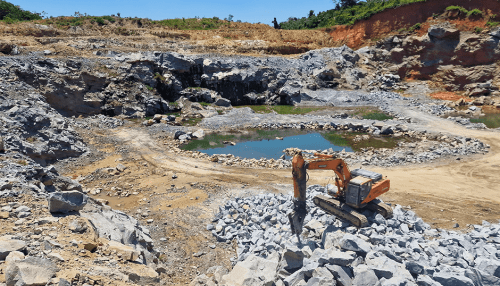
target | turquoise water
[{"x": 274, "y": 148}]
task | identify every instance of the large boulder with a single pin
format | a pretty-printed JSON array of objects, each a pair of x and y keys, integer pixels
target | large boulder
[
  {"x": 64, "y": 202},
  {"x": 365, "y": 278},
  {"x": 223, "y": 102},
  {"x": 252, "y": 271},
  {"x": 343, "y": 275},
  {"x": 8, "y": 245},
  {"x": 126, "y": 252},
  {"x": 118, "y": 226},
  {"x": 441, "y": 32},
  {"x": 354, "y": 243},
  {"x": 490, "y": 266},
  {"x": 452, "y": 279},
  {"x": 387, "y": 268},
  {"x": 30, "y": 271}
]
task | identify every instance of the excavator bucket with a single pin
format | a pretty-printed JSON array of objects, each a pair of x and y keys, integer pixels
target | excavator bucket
[{"x": 296, "y": 218}]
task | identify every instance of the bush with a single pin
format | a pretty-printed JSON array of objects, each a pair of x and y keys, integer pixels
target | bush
[
  {"x": 8, "y": 20},
  {"x": 475, "y": 12},
  {"x": 109, "y": 18},
  {"x": 461, "y": 9},
  {"x": 417, "y": 26},
  {"x": 192, "y": 23},
  {"x": 478, "y": 30},
  {"x": 100, "y": 21},
  {"x": 11, "y": 13}
]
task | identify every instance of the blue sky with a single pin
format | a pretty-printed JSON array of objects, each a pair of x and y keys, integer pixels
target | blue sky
[{"x": 255, "y": 11}]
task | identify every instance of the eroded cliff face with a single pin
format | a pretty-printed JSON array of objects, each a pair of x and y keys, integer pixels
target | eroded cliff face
[
  {"x": 382, "y": 24},
  {"x": 455, "y": 60}
]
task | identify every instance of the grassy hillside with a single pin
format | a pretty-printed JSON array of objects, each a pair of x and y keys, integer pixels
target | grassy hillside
[
  {"x": 344, "y": 16},
  {"x": 11, "y": 13}
]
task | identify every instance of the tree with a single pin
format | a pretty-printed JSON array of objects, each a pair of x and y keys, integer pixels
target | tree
[
  {"x": 346, "y": 3},
  {"x": 311, "y": 13}
]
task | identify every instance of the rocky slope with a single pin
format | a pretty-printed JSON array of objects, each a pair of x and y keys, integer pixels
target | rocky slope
[{"x": 402, "y": 250}]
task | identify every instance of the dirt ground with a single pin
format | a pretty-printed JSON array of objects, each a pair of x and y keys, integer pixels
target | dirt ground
[{"x": 443, "y": 193}]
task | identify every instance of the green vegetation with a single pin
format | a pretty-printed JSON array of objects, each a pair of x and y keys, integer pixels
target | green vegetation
[
  {"x": 492, "y": 24},
  {"x": 160, "y": 77},
  {"x": 99, "y": 21},
  {"x": 66, "y": 22},
  {"x": 371, "y": 114},
  {"x": 10, "y": 13},
  {"x": 335, "y": 138},
  {"x": 280, "y": 109},
  {"x": 204, "y": 103},
  {"x": 478, "y": 30},
  {"x": 150, "y": 88},
  {"x": 377, "y": 116},
  {"x": 417, "y": 26},
  {"x": 192, "y": 121},
  {"x": 459, "y": 8},
  {"x": 491, "y": 120},
  {"x": 193, "y": 23},
  {"x": 109, "y": 18},
  {"x": 475, "y": 12},
  {"x": 343, "y": 15},
  {"x": 208, "y": 142},
  {"x": 347, "y": 139}
]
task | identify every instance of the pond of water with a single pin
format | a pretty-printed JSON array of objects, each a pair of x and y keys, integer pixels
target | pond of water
[{"x": 273, "y": 148}]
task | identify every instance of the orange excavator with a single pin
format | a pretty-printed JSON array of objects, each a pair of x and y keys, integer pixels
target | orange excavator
[{"x": 356, "y": 190}]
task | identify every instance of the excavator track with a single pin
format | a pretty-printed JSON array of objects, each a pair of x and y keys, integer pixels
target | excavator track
[
  {"x": 341, "y": 210},
  {"x": 379, "y": 207}
]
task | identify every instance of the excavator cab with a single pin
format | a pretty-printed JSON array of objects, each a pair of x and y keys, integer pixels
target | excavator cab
[{"x": 357, "y": 191}]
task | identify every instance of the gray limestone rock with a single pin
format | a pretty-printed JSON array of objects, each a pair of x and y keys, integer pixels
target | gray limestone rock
[
  {"x": 335, "y": 257},
  {"x": 178, "y": 133},
  {"x": 64, "y": 202},
  {"x": 441, "y": 32},
  {"x": 489, "y": 266},
  {"x": 365, "y": 278},
  {"x": 321, "y": 281},
  {"x": 424, "y": 280},
  {"x": 452, "y": 279},
  {"x": 292, "y": 259},
  {"x": 343, "y": 275},
  {"x": 252, "y": 271},
  {"x": 354, "y": 243},
  {"x": 30, "y": 271},
  {"x": 297, "y": 278},
  {"x": 223, "y": 102},
  {"x": 8, "y": 245}
]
